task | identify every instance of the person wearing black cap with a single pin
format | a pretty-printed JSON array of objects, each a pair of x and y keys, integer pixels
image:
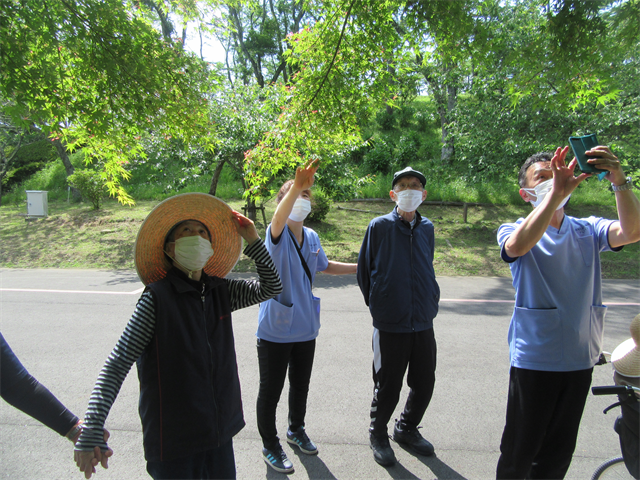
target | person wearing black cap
[{"x": 395, "y": 274}]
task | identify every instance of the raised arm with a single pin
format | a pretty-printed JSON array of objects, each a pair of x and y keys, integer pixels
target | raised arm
[
  {"x": 245, "y": 227},
  {"x": 303, "y": 181},
  {"x": 531, "y": 230},
  {"x": 91, "y": 445},
  {"x": 244, "y": 293},
  {"x": 627, "y": 229}
]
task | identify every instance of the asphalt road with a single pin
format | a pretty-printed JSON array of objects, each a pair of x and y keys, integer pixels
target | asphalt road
[{"x": 62, "y": 324}]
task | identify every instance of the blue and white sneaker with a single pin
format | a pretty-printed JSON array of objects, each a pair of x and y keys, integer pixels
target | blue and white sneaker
[
  {"x": 277, "y": 460},
  {"x": 301, "y": 439}
]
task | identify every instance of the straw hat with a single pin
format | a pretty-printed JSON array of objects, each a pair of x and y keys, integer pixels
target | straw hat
[
  {"x": 626, "y": 357},
  {"x": 216, "y": 215}
]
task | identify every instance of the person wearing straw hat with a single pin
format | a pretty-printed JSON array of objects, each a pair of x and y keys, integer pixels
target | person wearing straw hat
[
  {"x": 626, "y": 371},
  {"x": 398, "y": 282},
  {"x": 181, "y": 337},
  {"x": 556, "y": 329},
  {"x": 289, "y": 323}
]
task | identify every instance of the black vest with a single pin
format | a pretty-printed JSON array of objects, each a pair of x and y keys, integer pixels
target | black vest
[{"x": 189, "y": 386}]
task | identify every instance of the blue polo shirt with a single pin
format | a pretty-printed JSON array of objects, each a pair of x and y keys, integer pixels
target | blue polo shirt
[
  {"x": 294, "y": 315},
  {"x": 558, "y": 320}
]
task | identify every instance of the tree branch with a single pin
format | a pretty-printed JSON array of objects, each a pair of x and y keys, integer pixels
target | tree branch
[{"x": 335, "y": 53}]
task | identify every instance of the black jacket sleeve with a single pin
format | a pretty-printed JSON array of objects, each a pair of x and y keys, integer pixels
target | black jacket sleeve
[{"x": 23, "y": 391}]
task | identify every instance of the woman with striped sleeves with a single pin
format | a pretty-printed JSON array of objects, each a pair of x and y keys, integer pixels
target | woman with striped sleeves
[{"x": 181, "y": 337}]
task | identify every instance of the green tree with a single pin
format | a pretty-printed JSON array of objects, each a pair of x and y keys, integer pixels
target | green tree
[
  {"x": 96, "y": 74},
  {"x": 23, "y": 151},
  {"x": 254, "y": 36},
  {"x": 355, "y": 57},
  {"x": 243, "y": 115},
  {"x": 494, "y": 134},
  {"x": 10, "y": 143}
]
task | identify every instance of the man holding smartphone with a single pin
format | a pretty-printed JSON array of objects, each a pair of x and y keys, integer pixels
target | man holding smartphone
[{"x": 556, "y": 330}]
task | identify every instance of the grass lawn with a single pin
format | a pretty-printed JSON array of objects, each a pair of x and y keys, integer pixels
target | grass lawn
[{"x": 75, "y": 236}]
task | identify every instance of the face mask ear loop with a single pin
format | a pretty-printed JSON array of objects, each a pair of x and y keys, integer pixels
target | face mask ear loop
[
  {"x": 186, "y": 270},
  {"x": 532, "y": 193}
]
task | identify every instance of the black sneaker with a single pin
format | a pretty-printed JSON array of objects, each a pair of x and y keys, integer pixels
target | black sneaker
[
  {"x": 277, "y": 460},
  {"x": 382, "y": 452},
  {"x": 301, "y": 439},
  {"x": 411, "y": 438}
]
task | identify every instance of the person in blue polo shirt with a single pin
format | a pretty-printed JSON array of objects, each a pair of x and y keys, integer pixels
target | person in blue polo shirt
[
  {"x": 556, "y": 329},
  {"x": 288, "y": 324}
]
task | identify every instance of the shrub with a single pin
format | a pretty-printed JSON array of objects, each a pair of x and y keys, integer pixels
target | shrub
[
  {"x": 380, "y": 158},
  {"x": 386, "y": 119},
  {"x": 90, "y": 185},
  {"x": 422, "y": 119},
  {"x": 408, "y": 147},
  {"x": 405, "y": 116},
  {"x": 21, "y": 173},
  {"x": 320, "y": 206}
]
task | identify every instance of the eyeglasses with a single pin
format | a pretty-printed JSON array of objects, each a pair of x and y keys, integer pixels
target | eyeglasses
[{"x": 400, "y": 186}]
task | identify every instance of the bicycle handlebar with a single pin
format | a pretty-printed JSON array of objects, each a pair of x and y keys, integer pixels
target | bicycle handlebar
[
  {"x": 626, "y": 394},
  {"x": 612, "y": 390}
]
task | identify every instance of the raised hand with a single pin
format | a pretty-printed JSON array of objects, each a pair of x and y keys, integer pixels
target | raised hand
[
  {"x": 305, "y": 175},
  {"x": 245, "y": 227},
  {"x": 564, "y": 180},
  {"x": 606, "y": 160}
]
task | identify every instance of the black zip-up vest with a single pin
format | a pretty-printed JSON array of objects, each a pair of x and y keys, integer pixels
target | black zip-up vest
[{"x": 189, "y": 387}]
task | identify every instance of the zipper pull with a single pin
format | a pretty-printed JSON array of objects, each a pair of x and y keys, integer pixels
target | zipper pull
[{"x": 202, "y": 294}]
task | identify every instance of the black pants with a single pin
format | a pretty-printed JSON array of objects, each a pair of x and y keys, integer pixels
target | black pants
[
  {"x": 393, "y": 353},
  {"x": 273, "y": 360},
  {"x": 217, "y": 463},
  {"x": 543, "y": 416}
]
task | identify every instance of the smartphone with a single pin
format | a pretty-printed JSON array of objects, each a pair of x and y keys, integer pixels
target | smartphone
[{"x": 580, "y": 145}]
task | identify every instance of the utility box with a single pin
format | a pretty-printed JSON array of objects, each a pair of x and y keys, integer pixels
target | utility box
[{"x": 37, "y": 204}]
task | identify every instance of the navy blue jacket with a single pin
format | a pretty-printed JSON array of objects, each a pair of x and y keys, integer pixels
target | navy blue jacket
[
  {"x": 396, "y": 276},
  {"x": 189, "y": 388}
]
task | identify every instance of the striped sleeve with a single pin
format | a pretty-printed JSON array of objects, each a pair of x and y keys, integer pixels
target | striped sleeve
[
  {"x": 132, "y": 342},
  {"x": 245, "y": 293}
]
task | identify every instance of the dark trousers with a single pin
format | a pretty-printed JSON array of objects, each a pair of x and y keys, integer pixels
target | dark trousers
[
  {"x": 395, "y": 352},
  {"x": 543, "y": 415},
  {"x": 218, "y": 463},
  {"x": 273, "y": 360}
]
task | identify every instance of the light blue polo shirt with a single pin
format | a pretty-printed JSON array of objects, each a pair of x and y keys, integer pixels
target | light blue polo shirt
[
  {"x": 294, "y": 315},
  {"x": 558, "y": 320}
]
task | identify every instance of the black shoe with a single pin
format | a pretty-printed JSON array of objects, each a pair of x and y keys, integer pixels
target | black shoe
[
  {"x": 411, "y": 438},
  {"x": 301, "y": 439},
  {"x": 277, "y": 459},
  {"x": 382, "y": 452}
]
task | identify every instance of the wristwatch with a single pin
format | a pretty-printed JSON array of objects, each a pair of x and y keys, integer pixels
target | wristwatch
[{"x": 628, "y": 185}]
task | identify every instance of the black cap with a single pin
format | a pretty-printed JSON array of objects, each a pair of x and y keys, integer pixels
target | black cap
[{"x": 409, "y": 172}]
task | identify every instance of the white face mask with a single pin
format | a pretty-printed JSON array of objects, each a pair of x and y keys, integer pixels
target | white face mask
[
  {"x": 540, "y": 192},
  {"x": 300, "y": 210},
  {"x": 193, "y": 252},
  {"x": 409, "y": 200}
]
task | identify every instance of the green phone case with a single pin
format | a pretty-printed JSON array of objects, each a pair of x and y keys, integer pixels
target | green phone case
[{"x": 580, "y": 145}]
